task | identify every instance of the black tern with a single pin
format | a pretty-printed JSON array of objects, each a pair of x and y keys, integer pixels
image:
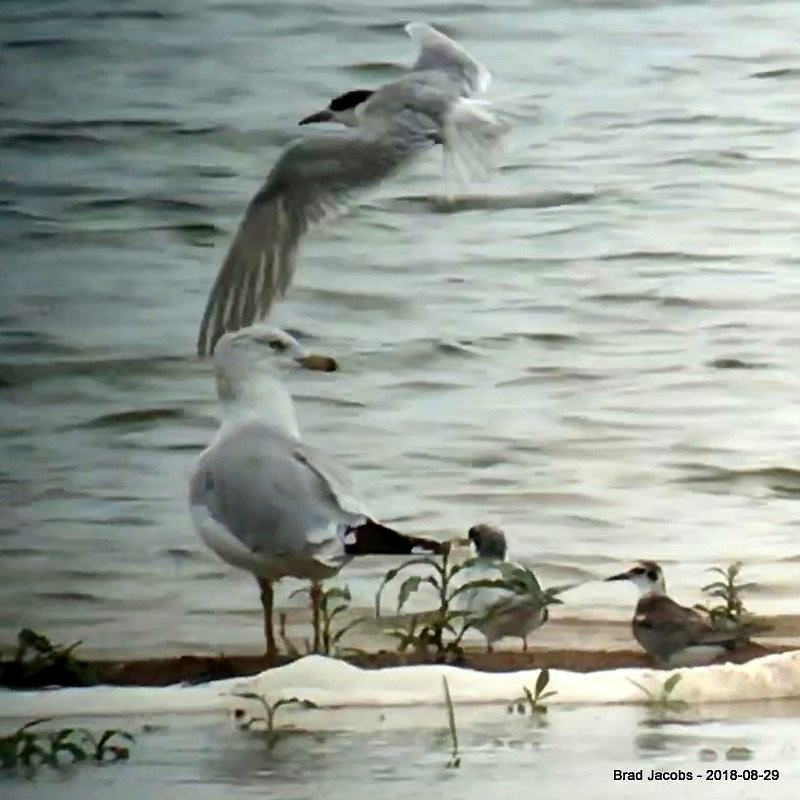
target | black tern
[{"x": 674, "y": 635}]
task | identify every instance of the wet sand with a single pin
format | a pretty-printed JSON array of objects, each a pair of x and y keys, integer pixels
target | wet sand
[
  {"x": 199, "y": 669},
  {"x": 569, "y": 643}
]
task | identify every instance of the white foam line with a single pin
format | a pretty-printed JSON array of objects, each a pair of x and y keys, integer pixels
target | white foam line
[{"x": 329, "y": 682}]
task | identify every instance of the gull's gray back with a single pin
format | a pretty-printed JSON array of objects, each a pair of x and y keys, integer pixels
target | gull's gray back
[{"x": 268, "y": 492}]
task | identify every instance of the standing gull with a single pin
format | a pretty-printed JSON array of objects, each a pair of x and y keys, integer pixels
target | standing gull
[
  {"x": 433, "y": 104},
  {"x": 498, "y": 612},
  {"x": 263, "y": 500},
  {"x": 674, "y": 635}
]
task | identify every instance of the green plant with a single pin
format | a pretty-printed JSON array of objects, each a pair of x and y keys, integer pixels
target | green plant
[
  {"x": 331, "y": 603},
  {"x": 273, "y": 734},
  {"x": 663, "y": 700},
  {"x": 37, "y": 662},
  {"x": 522, "y": 581},
  {"x": 27, "y": 749},
  {"x": 408, "y": 636},
  {"x": 429, "y": 630},
  {"x": 730, "y": 614},
  {"x": 455, "y": 758},
  {"x": 291, "y": 649},
  {"x": 535, "y": 699}
]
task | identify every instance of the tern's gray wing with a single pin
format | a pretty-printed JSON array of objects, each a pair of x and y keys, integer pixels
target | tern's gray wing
[
  {"x": 663, "y": 627},
  {"x": 438, "y": 52},
  {"x": 310, "y": 180},
  {"x": 472, "y": 130},
  {"x": 263, "y": 488}
]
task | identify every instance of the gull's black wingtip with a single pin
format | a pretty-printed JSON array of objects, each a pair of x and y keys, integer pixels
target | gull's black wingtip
[{"x": 374, "y": 539}]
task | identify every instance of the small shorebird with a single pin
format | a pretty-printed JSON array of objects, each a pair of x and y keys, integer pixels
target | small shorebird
[
  {"x": 265, "y": 501},
  {"x": 499, "y": 612},
  {"x": 435, "y": 103},
  {"x": 674, "y": 635}
]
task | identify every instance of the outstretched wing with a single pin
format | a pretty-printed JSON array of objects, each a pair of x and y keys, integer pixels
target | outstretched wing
[
  {"x": 309, "y": 182},
  {"x": 439, "y": 52},
  {"x": 472, "y": 130}
]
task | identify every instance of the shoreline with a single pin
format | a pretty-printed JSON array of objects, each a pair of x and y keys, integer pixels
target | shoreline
[{"x": 195, "y": 669}]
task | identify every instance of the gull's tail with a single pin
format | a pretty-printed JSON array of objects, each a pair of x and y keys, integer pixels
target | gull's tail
[{"x": 374, "y": 539}]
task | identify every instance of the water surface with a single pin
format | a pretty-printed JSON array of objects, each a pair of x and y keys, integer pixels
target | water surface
[{"x": 596, "y": 352}]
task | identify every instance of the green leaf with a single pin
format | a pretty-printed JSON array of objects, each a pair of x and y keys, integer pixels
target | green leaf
[
  {"x": 542, "y": 680},
  {"x": 394, "y": 572},
  {"x": 248, "y": 695},
  {"x": 337, "y": 593},
  {"x": 407, "y": 588},
  {"x": 671, "y": 682},
  {"x": 335, "y": 612},
  {"x": 77, "y": 753},
  {"x": 30, "y": 724},
  {"x": 718, "y": 571},
  {"x": 451, "y": 717},
  {"x": 336, "y": 637}
]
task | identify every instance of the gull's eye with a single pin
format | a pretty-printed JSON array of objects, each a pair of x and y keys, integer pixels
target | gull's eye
[{"x": 277, "y": 345}]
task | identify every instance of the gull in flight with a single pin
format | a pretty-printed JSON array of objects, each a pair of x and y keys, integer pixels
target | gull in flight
[
  {"x": 674, "y": 635},
  {"x": 265, "y": 501},
  {"x": 436, "y": 102},
  {"x": 498, "y": 612}
]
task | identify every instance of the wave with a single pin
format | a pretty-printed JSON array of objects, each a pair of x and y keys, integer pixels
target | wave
[{"x": 781, "y": 480}]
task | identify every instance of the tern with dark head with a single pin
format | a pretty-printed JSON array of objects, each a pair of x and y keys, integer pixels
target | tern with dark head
[
  {"x": 498, "y": 612},
  {"x": 674, "y": 635},
  {"x": 265, "y": 501},
  {"x": 434, "y": 103}
]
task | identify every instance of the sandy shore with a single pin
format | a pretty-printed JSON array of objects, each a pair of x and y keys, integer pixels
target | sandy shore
[{"x": 570, "y": 643}]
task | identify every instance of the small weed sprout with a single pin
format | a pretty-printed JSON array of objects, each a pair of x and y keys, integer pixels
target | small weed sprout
[
  {"x": 455, "y": 758},
  {"x": 26, "y": 749},
  {"x": 663, "y": 701},
  {"x": 272, "y": 734},
  {"x": 332, "y": 602},
  {"x": 36, "y": 662},
  {"x": 535, "y": 700},
  {"x": 730, "y": 613}
]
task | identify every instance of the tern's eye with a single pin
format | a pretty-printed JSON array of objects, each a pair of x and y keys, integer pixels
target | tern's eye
[
  {"x": 652, "y": 575},
  {"x": 277, "y": 345}
]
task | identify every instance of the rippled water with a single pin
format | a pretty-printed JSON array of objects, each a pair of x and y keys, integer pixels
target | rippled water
[
  {"x": 200, "y": 757},
  {"x": 596, "y": 351}
]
